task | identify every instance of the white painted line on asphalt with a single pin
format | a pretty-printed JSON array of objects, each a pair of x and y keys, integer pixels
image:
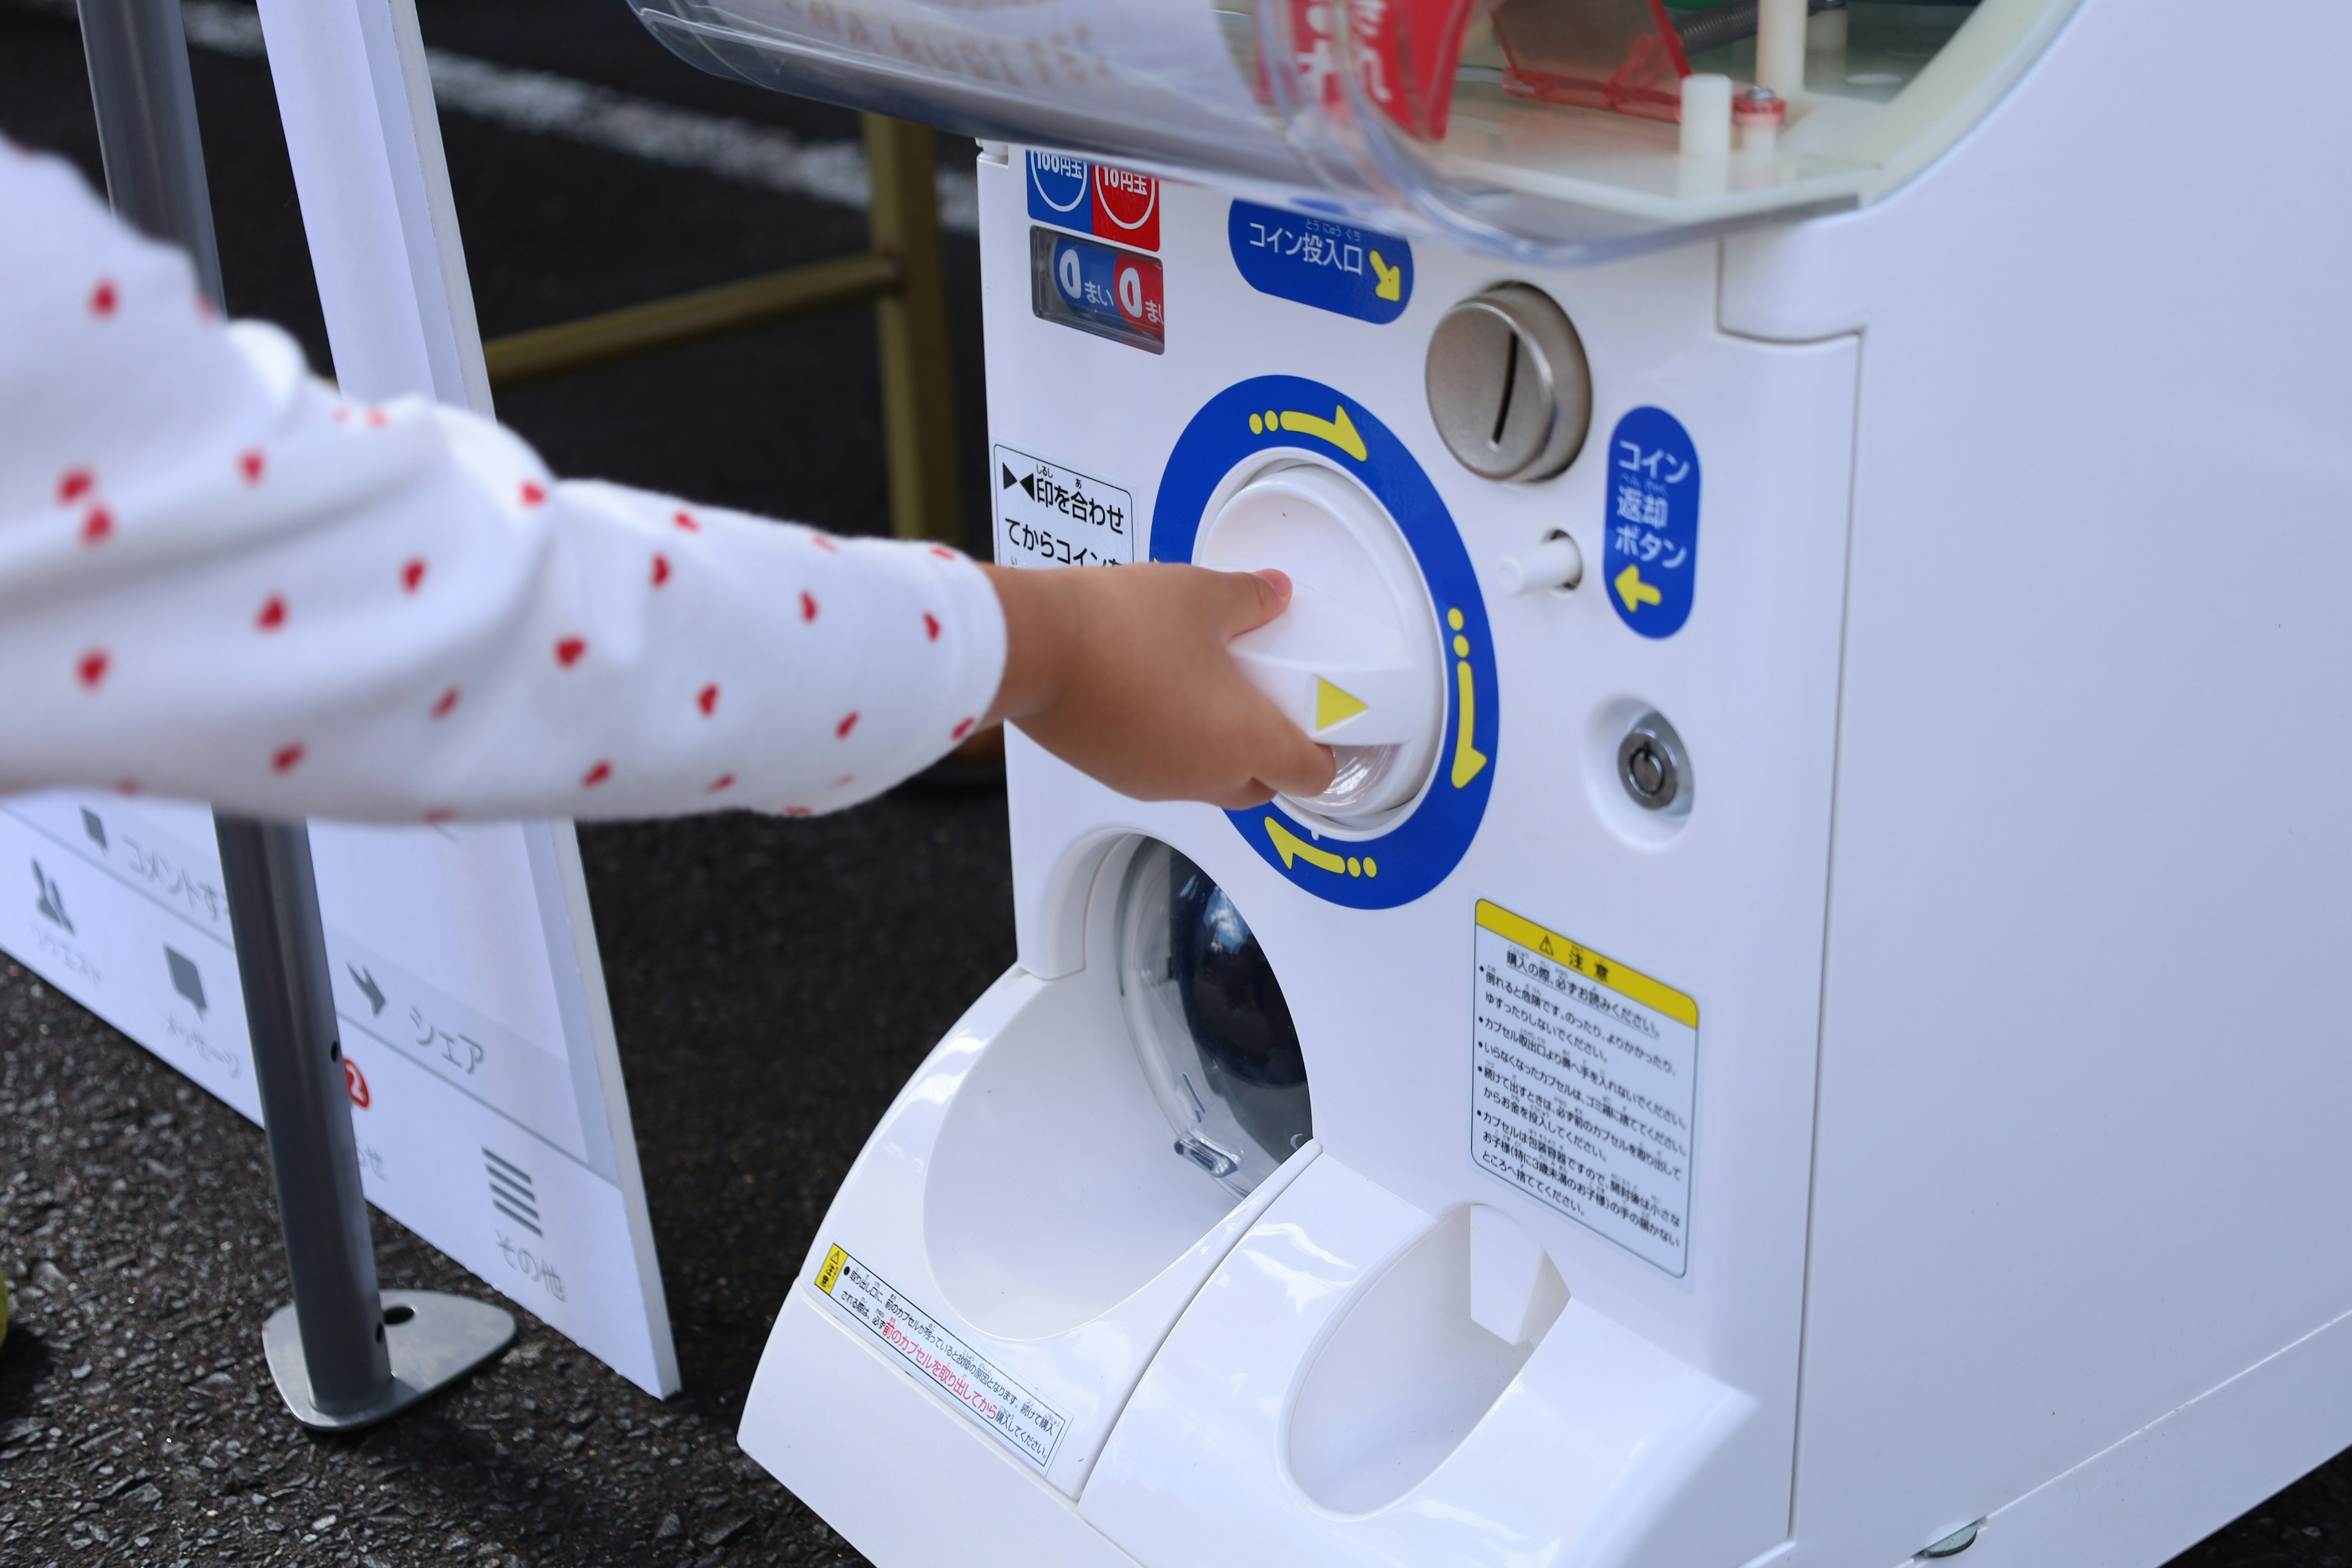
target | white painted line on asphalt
[{"x": 743, "y": 151}]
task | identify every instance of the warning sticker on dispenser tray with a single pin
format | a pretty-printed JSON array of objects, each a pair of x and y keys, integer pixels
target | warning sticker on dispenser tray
[
  {"x": 1027, "y": 1425},
  {"x": 1583, "y": 1074},
  {"x": 1047, "y": 515}
]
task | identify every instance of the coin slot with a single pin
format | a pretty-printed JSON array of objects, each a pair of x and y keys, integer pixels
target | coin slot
[
  {"x": 1510, "y": 388},
  {"x": 1510, "y": 385}
]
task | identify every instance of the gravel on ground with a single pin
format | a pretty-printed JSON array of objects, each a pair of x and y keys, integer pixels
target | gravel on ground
[{"x": 137, "y": 1421}]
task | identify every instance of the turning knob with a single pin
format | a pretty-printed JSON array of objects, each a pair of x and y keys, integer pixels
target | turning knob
[{"x": 1355, "y": 660}]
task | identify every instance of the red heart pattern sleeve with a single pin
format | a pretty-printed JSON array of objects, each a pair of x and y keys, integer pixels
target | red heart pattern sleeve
[{"x": 219, "y": 581}]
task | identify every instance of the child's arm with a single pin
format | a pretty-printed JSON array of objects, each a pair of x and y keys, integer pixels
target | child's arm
[{"x": 219, "y": 581}]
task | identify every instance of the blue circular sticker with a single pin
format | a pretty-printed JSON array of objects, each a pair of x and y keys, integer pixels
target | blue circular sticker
[
  {"x": 1059, "y": 181},
  {"x": 1416, "y": 852}
]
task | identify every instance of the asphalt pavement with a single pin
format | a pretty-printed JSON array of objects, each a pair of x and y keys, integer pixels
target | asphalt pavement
[{"x": 137, "y": 1425}]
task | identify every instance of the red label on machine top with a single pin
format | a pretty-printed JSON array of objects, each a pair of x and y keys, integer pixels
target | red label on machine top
[
  {"x": 1403, "y": 53},
  {"x": 1113, "y": 204}
]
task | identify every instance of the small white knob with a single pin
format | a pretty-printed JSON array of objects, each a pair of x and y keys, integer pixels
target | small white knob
[
  {"x": 1557, "y": 563},
  {"x": 1707, "y": 108}
]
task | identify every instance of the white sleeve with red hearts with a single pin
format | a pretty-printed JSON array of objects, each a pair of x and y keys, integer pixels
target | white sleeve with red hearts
[{"x": 219, "y": 581}]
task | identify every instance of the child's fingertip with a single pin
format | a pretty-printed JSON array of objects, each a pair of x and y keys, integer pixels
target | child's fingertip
[{"x": 1276, "y": 579}]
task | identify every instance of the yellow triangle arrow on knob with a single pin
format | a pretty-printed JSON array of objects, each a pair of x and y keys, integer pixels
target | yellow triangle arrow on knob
[{"x": 1333, "y": 706}]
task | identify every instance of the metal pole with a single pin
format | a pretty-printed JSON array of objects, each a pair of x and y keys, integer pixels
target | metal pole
[
  {"x": 919, "y": 416},
  {"x": 331, "y": 1361},
  {"x": 146, "y": 104},
  {"x": 298, "y": 1066}
]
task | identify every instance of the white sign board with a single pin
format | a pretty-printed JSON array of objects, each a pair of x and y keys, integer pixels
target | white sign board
[{"x": 486, "y": 1090}]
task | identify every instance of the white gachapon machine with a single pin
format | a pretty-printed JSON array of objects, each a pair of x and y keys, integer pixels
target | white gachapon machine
[{"x": 1809, "y": 1028}]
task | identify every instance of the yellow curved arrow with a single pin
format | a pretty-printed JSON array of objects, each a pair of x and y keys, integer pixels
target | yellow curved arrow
[
  {"x": 1340, "y": 430},
  {"x": 1290, "y": 847},
  {"x": 1634, "y": 591},
  {"x": 1467, "y": 758}
]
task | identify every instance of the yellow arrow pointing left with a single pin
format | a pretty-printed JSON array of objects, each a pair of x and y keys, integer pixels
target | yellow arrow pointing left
[
  {"x": 1340, "y": 430},
  {"x": 1634, "y": 591}
]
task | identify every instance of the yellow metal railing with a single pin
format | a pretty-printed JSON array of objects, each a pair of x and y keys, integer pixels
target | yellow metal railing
[{"x": 904, "y": 275}]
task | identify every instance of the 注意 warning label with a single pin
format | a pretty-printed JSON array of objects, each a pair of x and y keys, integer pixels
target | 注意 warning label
[
  {"x": 1583, "y": 1079},
  {"x": 1050, "y": 516},
  {"x": 1028, "y": 1425}
]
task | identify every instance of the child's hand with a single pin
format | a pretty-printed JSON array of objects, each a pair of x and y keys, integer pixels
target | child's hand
[{"x": 1122, "y": 673}]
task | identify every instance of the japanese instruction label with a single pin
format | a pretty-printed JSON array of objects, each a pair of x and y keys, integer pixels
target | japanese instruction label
[
  {"x": 1050, "y": 516},
  {"x": 1028, "y": 1425},
  {"x": 1651, "y": 559},
  {"x": 1583, "y": 1073},
  {"x": 1317, "y": 262}
]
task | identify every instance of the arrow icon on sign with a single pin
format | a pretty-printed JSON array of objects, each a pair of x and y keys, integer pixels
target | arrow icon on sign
[
  {"x": 1340, "y": 430},
  {"x": 1634, "y": 591},
  {"x": 1467, "y": 758},
  {"x": 1292, "y": 849},
  {"x": 1334, "y": 706},
  {"x": 365, "y": 980}
]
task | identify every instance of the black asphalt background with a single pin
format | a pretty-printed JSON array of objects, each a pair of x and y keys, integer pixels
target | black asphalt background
[{"x": 758, "y": 970}]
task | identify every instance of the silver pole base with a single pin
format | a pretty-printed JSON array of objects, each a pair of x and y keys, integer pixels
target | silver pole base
[{"x": 435, "y": 1339}]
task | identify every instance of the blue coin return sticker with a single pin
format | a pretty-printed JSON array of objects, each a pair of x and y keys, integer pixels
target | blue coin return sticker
[
  {"x": 1651, "y": 561},
  {"x": 1317, "y": 261}
]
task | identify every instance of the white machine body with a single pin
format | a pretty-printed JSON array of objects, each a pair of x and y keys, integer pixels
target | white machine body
[{"x": 1915, "y": 1124}]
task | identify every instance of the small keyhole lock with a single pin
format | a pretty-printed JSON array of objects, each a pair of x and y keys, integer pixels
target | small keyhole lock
[
  {"x": 1651, "y": 766},
  {"x": 1509, "y": 385}
]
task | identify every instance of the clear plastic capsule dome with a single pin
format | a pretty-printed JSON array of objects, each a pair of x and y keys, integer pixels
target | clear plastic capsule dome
[{"x": 1544, "y": 129}]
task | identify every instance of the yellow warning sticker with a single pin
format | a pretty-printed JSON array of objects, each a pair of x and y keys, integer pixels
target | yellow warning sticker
[
  {"x": 1583, "y": 1084},
  {"x": 1622, "y": 978},
  {"x": 834, "y": 1259}
]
